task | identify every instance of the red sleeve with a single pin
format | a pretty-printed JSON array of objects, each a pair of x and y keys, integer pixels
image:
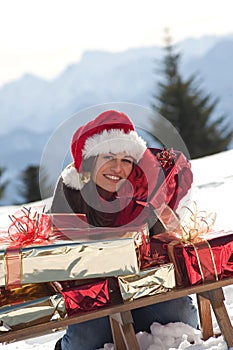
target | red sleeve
[{"x": 152, "y": 182}]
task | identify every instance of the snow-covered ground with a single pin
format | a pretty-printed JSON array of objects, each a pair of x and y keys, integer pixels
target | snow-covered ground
[{"x": 212, "y": 191}]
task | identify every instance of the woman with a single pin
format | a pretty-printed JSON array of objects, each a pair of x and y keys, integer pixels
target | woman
[{"x": 115, "y": 181}]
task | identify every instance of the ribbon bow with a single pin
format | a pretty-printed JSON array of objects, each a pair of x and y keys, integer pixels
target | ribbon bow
[
  {"x": 166, "y": 157},
  {"x": 190, "y": 227},
  {"x": 195, "y": 224},
  {"x": 29, "y": 226}
]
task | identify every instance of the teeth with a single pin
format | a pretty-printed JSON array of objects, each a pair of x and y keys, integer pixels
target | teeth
[{"x": 112, "y": 177}]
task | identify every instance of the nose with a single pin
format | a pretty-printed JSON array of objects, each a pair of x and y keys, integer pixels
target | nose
[{"x": 116, "y": 165}]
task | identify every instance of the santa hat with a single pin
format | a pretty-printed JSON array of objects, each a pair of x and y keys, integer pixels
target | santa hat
[{"x": 111, "y": 131}]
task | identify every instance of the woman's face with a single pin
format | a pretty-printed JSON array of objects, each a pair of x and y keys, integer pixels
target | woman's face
[{"x": 111, "y": 170}]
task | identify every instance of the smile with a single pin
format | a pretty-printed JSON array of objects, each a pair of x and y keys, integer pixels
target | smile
[{"x": 113, "y": 177}]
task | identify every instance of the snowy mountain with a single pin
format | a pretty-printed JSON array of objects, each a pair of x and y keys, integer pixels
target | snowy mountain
[{"x": 31, "y": 108}]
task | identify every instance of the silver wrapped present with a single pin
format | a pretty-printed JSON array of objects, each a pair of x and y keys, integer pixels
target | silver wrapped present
[
  {"x": 32, "y": 312},
  {"x": 64, "y": 260},
  {"x": 147, "y": 282}
]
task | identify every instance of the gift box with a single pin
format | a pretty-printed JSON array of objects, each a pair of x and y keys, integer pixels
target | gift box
[
  {"x": 32, "y": 312},
  {"x": 83, "y": 297},
  {"x": 208, "y": 259},
  {"x": 152, "y": 281},
  {"x": 25, "y": 293},
  {"x": 35, "y": 251},
  {"x": 39, "y": 303},
  {"x": 63, "y": 260}
]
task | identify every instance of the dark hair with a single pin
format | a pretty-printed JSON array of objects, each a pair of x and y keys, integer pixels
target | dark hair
[{"x": 89, "y": 164}]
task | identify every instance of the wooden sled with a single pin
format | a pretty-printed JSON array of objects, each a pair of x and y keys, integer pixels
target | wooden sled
[{"x": 208, "y": 294}]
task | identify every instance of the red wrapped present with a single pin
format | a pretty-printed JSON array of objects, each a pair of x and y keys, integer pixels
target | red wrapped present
[
  {"x": 198, "y": 255},
  {"x": 195, "y": 263},
  {"x": 86, "y": 298},
  {"x": 82, "y": 297}
]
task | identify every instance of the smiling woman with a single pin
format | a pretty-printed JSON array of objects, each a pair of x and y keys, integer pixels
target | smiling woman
[
  {"x": 111, "y": 170},
  {"x": 105, "y": 151},
  {"x": 112, "y": 181}
]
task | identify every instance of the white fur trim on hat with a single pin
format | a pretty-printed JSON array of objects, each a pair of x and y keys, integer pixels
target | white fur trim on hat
[
  {"x": 72, "y": 178},
  {"x": 115, "y": 141}
]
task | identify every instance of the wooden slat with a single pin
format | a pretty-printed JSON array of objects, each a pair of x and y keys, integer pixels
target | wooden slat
[
  {"x": 130, "y": 337},
  {"x": 48, "y": 327},
  {"x": 216, "y": 298},
  {"x": 123, "y": 331},
  {"x": 117, "y": 335},
  {"x": 205, "y": 316}
]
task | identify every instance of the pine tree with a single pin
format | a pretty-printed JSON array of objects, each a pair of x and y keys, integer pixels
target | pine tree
[
  {"x": 4, "y": 184},
  {"x": 30, "y": 184},
  {"x": 189, "y": 110}
]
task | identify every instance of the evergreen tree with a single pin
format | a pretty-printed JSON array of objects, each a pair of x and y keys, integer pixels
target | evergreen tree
[
  {"x": 4, "y": 184},
  {"x": 189, "y": 110},
  {"x": 30, "y": 187}
]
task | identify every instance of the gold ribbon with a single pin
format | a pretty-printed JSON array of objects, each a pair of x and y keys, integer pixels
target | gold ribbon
[
  {"x": 195, "y": 223},
  {"x": 189, "y": 228}
]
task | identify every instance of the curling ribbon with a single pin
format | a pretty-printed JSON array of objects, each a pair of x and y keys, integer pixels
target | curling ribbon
[
  {"x": 27, "y": 227},
  {"x": 194, "y": 228},
  {"x": 189, "y": 229}
]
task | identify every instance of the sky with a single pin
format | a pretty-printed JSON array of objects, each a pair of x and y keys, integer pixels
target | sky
[
  {"x": 42, "y": 37},
  {"x": 207, "y": 186}
]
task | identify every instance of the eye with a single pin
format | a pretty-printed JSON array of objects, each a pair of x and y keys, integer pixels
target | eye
[
  {"x": 127, "y": 161},
  {"x": 108, "y": 157}
]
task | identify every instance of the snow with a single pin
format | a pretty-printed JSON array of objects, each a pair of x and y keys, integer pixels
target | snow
[{"x": 212, "y": 191}]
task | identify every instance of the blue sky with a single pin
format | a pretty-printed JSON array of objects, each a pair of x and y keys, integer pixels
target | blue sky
[{"x": 43, "y": 36}]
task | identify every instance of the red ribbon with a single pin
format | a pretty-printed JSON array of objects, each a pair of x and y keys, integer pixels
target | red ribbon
[
  {"x": 13, "y": 267},
  {"x": 28, "y": 226},
  {"x": 166, "y": 157}
]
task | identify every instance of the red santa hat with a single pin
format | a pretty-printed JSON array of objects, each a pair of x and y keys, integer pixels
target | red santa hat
[{"x": 111, "y": 131}]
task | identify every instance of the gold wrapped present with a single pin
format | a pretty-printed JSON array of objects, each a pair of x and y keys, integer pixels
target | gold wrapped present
[
  {"x": 147, "y": 282},
  {"x": 27, "y": 292}
]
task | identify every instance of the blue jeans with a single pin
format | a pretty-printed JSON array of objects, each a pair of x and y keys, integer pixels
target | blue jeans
[{"x": 91, "y": 335}]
